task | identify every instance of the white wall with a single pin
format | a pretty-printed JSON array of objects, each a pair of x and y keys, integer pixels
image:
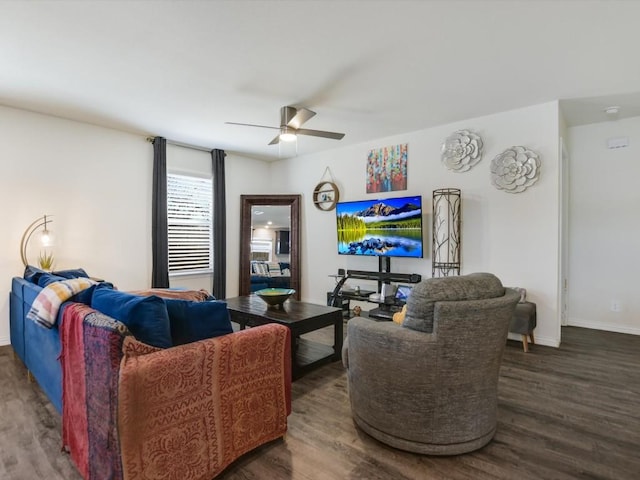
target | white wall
[
  {"x": 514, "y": 236},
  {"x": 97, "y": 183},
  {"x": 604, "y": 227},
  {"x": 244, "y": 176},
  {"x": 103, "y": 216}
]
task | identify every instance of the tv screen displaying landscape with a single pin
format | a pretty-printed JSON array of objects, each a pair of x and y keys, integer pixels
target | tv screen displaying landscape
[{"x": 391, "y": 227}]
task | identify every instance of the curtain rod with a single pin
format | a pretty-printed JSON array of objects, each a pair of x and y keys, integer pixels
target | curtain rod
[{"x": 185, "y": 145}]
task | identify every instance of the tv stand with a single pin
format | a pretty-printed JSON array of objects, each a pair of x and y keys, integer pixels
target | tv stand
[
  {"x": 383, "y": 313},
  {"x": 384, "y": 266},
  {"x": 387, "y": 305}
]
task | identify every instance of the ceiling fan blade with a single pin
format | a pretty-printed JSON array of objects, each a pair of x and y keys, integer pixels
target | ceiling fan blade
[
  {"x": 320, "y": 133},
  {"x": 275, "y": 141},
  {"x": 301, "y": 116},
  {"x": 252, "y": 125}
]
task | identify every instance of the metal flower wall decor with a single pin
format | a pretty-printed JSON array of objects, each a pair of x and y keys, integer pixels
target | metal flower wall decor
[
  {"x": 461, "y": 150},
  {"x": 515, "y": 169}
]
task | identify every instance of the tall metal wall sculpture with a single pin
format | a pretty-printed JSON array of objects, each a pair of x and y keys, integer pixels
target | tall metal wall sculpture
[{"x": 446, "y": 233}]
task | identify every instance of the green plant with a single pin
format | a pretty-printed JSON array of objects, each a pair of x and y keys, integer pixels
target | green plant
[{"x": 45, "y": 260}]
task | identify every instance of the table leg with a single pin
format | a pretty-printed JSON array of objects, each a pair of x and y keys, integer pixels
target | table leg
[
  {"x": 295, "y": 368},
  {"x": 337, "y": 338}
]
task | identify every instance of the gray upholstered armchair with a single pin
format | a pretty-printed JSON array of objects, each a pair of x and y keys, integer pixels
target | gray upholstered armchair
[{"x": 430, "y": 385}]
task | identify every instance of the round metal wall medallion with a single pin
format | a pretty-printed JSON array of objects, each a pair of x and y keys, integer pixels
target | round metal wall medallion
[
  {"x": 461, "y": 150},
  {"x": 515, "y": 169}
]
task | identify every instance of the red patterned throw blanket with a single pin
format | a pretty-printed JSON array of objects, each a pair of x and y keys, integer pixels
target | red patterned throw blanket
[
  {"x": 188, "y": 412},
  {"x": 91, "y": 355},
  {"x": 133, "y": 412}
]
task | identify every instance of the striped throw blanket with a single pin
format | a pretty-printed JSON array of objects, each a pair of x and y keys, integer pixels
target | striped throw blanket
[{"x": 44, "y": 309}]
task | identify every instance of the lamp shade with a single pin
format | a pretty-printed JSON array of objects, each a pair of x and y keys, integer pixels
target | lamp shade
[{"x": 46, "y": 237}]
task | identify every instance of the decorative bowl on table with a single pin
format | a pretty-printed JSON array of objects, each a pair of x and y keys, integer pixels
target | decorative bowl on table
[{"x": 275, "y": 297}]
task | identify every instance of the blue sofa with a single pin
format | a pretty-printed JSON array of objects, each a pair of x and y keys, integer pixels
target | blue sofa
[
  {"x": 39, "y": 347},
  {"x": 115, "y": 448},
  {"x": 269, "y": 275},
  {"x": 40, "y": 353},
  {"x": 258, "y": 282}
]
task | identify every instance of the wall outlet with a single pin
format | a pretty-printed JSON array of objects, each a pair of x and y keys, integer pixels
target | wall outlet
[{"x": 615, "y": 306}]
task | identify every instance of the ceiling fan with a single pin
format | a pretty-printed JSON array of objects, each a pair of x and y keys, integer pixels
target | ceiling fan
[{"x": 291, "y": 119}]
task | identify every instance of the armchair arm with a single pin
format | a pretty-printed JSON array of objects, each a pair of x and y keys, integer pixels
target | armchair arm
[
  {"x": 389, "y": 368},
  {"x": 386, "y": 346},
  {"x": 189, "y": 411}
]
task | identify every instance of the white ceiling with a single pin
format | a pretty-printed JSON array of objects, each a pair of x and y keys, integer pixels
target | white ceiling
[
  {"x": 369, "y": 69},
  {"x": 271, "y": 216}
]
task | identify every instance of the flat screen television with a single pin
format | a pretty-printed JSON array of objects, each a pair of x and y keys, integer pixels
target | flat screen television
[{"x": 389, "y": 228}]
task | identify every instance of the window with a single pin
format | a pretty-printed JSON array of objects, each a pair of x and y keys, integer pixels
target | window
[
  {"x": 189, "y": 217},
  {"x": 261, "y": 250}
]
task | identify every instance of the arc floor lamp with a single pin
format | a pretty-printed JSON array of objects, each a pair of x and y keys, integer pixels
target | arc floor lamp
[{"x": 46, "y": 241}]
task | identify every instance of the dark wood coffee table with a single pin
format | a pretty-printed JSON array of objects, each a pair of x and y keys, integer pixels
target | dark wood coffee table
[{"x": 300, "y": 318}]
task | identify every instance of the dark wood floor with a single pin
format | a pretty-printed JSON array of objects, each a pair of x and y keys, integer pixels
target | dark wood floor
[{"x": 568, "y": 413}]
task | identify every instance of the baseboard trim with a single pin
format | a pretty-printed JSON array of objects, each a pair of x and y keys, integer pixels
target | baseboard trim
[
  {"x": 546, "y": 341},
  {"x": 5, "y": 341},
  {"x": 576, "y": 322}
]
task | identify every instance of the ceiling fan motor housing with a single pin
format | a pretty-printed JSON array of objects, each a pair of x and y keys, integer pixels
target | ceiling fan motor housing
[{"x": 286, "y": 115}]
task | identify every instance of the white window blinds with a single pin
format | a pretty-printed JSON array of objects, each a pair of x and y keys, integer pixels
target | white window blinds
[{"x": 189, "y": 216}]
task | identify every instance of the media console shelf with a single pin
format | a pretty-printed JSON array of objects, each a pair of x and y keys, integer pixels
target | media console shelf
[{"x": 341, "y": 298}]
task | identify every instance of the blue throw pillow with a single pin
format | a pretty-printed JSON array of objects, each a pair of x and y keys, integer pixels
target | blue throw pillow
[
  {"x": 32, "y": 274},
  {"x": 193, "y": 321},
  {"x": 145, "y": 317},
  {"x": 46, "y": 278},
  {"x": 85, "y": 296},
  {"x": 74, "y": 273}
]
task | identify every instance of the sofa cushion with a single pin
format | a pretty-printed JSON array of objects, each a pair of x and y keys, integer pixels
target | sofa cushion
[
  {"x": 46, "y": 278},
  {"x": 285, "y": 266},
  {"x": 193, "y": 321},
  {"x": 145, "y": 317},
  {"x": 72, "y": 273},
  {"x": 33, "y": 274},
  {"x": 182, "y": 294},
  {"x": 421, "y": 301},
  {"x": 260, "y": 268},
  {"x": 86, "y": 296}
]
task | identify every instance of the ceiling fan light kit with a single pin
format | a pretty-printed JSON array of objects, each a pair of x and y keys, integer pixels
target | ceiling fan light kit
[
  {"x": 287, "y": 135},
  {"x": 291, "y": 119}
]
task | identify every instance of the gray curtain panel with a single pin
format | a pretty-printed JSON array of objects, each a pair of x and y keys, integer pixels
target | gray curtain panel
[
  {"x": 219, "y": 225},
  {"x": 159, "y": 227}
]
